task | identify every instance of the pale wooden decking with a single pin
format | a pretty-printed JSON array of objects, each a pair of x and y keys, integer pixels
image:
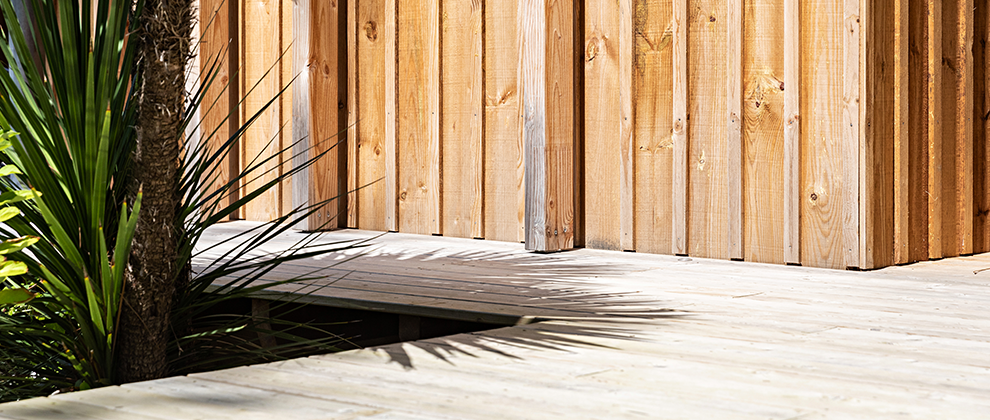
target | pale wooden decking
[{"x": 629, "y": 336}]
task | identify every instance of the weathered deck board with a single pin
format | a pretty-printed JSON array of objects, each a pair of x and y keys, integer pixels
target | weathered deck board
[{"x": 626, "y": 336}]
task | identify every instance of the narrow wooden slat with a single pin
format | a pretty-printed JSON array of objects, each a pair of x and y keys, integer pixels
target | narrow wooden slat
[
  {"x": 792, "y": 131},
  {"x": 352, "y": 169},
  {"x": 504, "y": 193},
  {"x": 981, "y": 127},
  {"x": 764, "y": 90},
  {"x": 652, "y": 89},
  {"x": 707, "y": 195},
  {"x": 627, "y": 133},
  {"x": 734, "y": 93},
  {"x": 902, "y": 147},
  {"x": 934, "y": 86},
  {"x": 419, "y": 117},
  {"x": 679, "y": 135},
  {"x": 865, "y": 165},
  {"x": 390, "y": 35},
  {"x": 964, "y": 124},
  {"x": 549, "y": 109},
  {"x": 919, "y": 108},
  {"x": 462, "y": 119},
  {"x": 850, "y": 195},
  {"x": 286, "y": 65},
  {"x": 218, "y": 50},
  {"x": 372, "y": 196},
  {"x": 260, "y": 78},
  {"x": 949, "y": 100},
  {"x": 301, "y": 105},
  {"x": 603, "y": 125},
  {"x": 326, "y": 71}
]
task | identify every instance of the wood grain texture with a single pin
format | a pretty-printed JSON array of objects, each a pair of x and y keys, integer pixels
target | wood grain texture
[
  {"x": 823, "y": 186},
  {"x": 680, "y": 127},
  {"x": 936, "y": 163},
  {"x": 260, "y": 79},
  {"x": 504, "y": 193},
  {"x": 957, "y": 70},
  {"x": 351, "y": 113},
  {"x": 327, "y": 79},
  {"x": 734, "y": 118},
  {"x": 707, "y": 207},
  {"x": 877, "y": 133},
  {"x": 285, "y": 102},
  {"x": 549, "y": 109},
  {"x": 950, "y": 101},
  {"x": 920, "y": 105},
  {"x": 390, "y": 35},
  {"x": 602, "y": 125},
  {"x": 301, "y": 111},
  {"x": 981, "y": 127},
  {"x": 372, "y": 113},
  {"x": 652, "y": 103},
  {"x": 217, "y": 51},
  {"x": 902, "y": 146},
  {"x": 462, "y": 118},
  {"x": 850, "y": 194},
  {"x": 627, "y": 164},
  {"x": 763, "y": 94},
  {"x": 792, "y": 132},
  {"x": 419, "y": 117}
]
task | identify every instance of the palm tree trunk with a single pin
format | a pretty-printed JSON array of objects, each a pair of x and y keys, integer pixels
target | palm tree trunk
[{"x": 152, "y": 275}]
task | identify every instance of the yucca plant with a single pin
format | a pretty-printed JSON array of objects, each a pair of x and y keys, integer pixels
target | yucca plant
[{"x": 123, "y": 204}]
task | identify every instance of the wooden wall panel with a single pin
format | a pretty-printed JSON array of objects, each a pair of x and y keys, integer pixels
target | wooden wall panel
[
  {"x": 350, "y": 112},
  {"x": 286, "y": 75},
  {"x": 462, "y": 119},
  {"x": 602, "y": 125},
  {"x": 217, "y": 50},
  {"x": 707, "y": 208},
  {"x": 763, "y": 131},
  {"x": 981, "y": 127},
  {"x": 504, "y": 193},
  {"x": 261, "y": 22},
  {"x": 652, "y": 102},
  {"x": 877, "y": 186},
  {"x": 371, "y": 142},
  {"x": 950, "y": 100},
  {"x": 792, "y": 131},
  {"x": 902, "y": 148},
  {"x": 418, "y": 126},
  {"x": 822, "y": 182},
  {"x": 327, "y": 80}
]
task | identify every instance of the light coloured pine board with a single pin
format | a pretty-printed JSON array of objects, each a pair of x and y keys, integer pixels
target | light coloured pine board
[
  {"x": 419, "y": 117},
  {"x": 50, "y": 408},
  {"x": 286, "y": 65},
  {"x": 707, "y": 205},
  {"x": 936, "y": 188},
  {"x": 652, "y": 104},
  {"x": 734, "y": 122},
  {"x": 462, "y": 119},
  {"x": 824, "y": 191},
  {"x": 327, "y": 79},
  {"x": 301, "y": 112},
  {"x": 504, "y": 205},
  {"x": 764, "y": 92},
  {"x": 627, "y": 141},
  {"x": 390, "y": 35},
  {"x": 679, "y": 131},
  {"x": 902, "y": 144},
  {"x": 216, "y": 52},
  {"x": 352, "y": 169},
  {"x": 792, "y": 132},
  {"x": 603, "y": 126},
  {"x": 851, "y": 194},
  {"x": 867, "y": 127},
  {"x": 981, "y": 127},
  {"x": 372, "y": 62},
  {"x": 260, "y": 79}
]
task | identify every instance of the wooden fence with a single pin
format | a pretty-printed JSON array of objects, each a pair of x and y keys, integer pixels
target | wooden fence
[{"x": 828, "y": 133}]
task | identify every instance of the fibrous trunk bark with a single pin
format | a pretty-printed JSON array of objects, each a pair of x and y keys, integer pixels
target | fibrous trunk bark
[{"x": 163, "y": 38}]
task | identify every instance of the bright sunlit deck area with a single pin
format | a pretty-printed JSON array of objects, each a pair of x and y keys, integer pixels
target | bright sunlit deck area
[{"x": 601, "y": 334}]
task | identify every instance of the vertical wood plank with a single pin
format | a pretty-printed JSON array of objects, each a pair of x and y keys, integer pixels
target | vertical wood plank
[
  {"x": 462, "y": 118},
  {"x": 981, "y": 127},
  {"x": 865, "y": 178},
  {"x": 935, "y": 163},
  {"x": 328, "y": 178},
  {"x": 706, "y": 109},
  {"x": 286, "y": 64},
  {"x": 850, "y": 194},
  {"x": 679, "y": 133},
  {"x": 792, "y": 131},
  {"x": 548, "y": 105},
  {"x": 218, "y": 50},
  {"x": 963, "y": 58},
  {"x": 902, "y": 147},
  {"x": 652, "y": 103},
  {"x": 504, "y": 193},
  {"x": 626, "y": 131},
  {"x": 764, "y": 91},
  {"x": 372, "y": 65},
  {"x": 824, "y": 199},
  {"x": 301, "y": 106},
  {"x": 602, "y": 125},
  {"x": 261, "y": 81},
  {"x": 352, "y": 168},
  {"x": 949, "y": 102},
  {"x": 419, "y": 117},
  {"x": 734, "y": 141},
  {"x": 919, "y": 126},
  {"x": 390, "y": 34}
]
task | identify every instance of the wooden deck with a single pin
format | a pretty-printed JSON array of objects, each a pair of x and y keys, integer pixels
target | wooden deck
[{"x": 623, "y": 335}]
